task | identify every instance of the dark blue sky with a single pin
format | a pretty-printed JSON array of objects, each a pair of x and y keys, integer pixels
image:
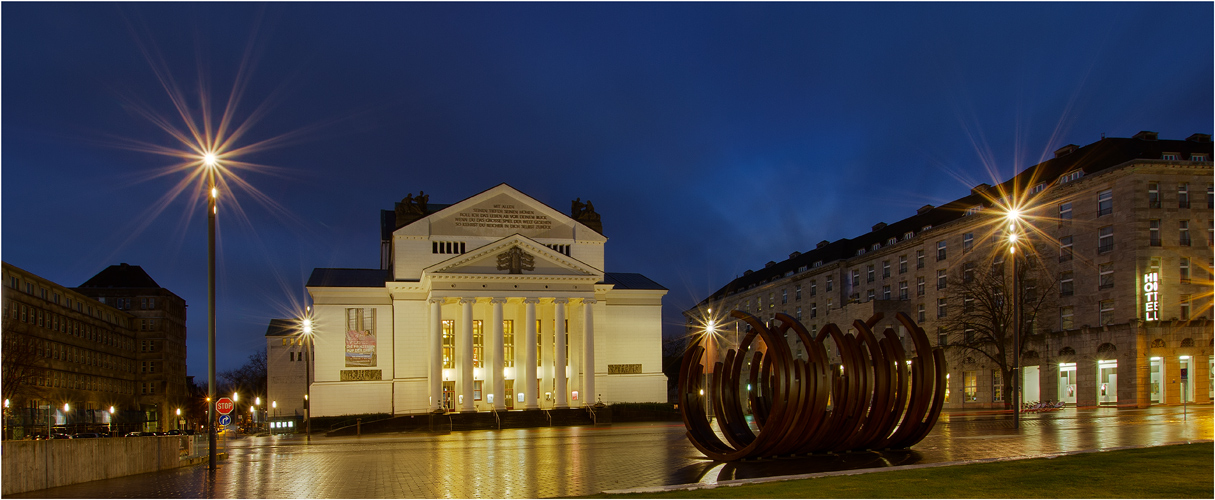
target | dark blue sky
[{"x": 712, "y": 138}]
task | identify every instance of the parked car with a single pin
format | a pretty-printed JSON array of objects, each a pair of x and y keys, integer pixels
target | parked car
[
  {"x": 85, "y": 435},
  {"x": 173, "y": 432},
  {"x": 136, "y": 434}
]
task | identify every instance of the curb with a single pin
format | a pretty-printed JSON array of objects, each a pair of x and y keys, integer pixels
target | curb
[{"x": 815, "y": 475}]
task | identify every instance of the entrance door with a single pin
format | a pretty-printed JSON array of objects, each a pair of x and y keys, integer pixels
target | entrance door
[
  {"x": 1186, "y": 380},
  {"x": 1107, "y": 382},
  {"x": 1067, "y": 383},
  {"x": 449, "y": 388},
  {"x": 1157, "y": 370},
  {"x": 510, "y": 394}
]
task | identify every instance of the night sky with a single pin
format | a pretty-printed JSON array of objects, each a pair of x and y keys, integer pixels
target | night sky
[{"x": 712, "y": 138}]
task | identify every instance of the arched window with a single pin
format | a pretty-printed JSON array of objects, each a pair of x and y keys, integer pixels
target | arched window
[
  {"x": 1187, "y": 342},
  {"x": 1157, "y": 343},
  {"x": 1067, "y": 351},
  {"x": 1106, "y": 348}
]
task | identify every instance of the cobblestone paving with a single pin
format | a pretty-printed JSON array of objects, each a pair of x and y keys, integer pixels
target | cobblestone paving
[{"x": 571, "y": 461}]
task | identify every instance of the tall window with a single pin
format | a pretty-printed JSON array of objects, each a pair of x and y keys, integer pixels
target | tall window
[
  {"x": 1065, "y": 213},
  {"x": 940, "y": 250},
  {"x": 1106, "y": 308},
  {"x": 941, "y": 281},
  {"x": 920, "y": 316},
  {"x": 1066, "y": 314},
  {"x": 1105, "y": 239},
  {"x": 539, "y": 346},
  {"x": 919, "y": 259},
  {"x": 1184, "y": 299},
  {"x": 941, "y": 307},
  {"x": 1105, "y": 275},
  {"x": 813, "y": 288},
  {"x": 1065, "y": 249},
  {"x": 508, "y": 343},
  {"x": 997, "y": 386},
  {"x": 869, "y": 295},
  {"x": 1183, "y": 195},
  {"x": 1183, "y": 230},
  {"x": 830, "y": 283},
  {"x": 885, "y": 269},
  {"x": 1066, "y": 284},
  {"x": 1154, "y": 232},
  {"x": 968, "y": 242},
  {"x": 814, "y": 309},
  {"x": 869, "y": 273},
  {"x": 1183, "y": 270},
  {"x": 449, "y": 343},
  {"x": 1153, "y": 195},
  {"x": 885, "y": 292},
  {"x": 799, "y": 313},
  {"x": 1105, "y": 202},
  {"x": 919, "y": 286},
  {"x": 784, "y": 296},
  {"x": 902, "y": 290},
  {"x": 970, "y": 387},
  {"x": 797, "y": 292},
  {"x": 902, "y": 264},
  {"x": 856, "y": 277},
  {"x": 478, "y": 344},
  {"x": 968, "y": 272}
]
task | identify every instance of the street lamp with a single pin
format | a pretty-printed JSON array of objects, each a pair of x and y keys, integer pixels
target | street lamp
[
  {"x": 1014, "y": 229},
  {"x": 306, "y": 329},
  {"x": 211, "y": 164}
]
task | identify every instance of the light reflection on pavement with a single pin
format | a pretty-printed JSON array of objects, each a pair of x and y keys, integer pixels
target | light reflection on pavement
[{"x": 572, "y": 461}]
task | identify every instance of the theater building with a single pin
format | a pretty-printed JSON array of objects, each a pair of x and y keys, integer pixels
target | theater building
[
  {"x": 497, "y": 302},
  {"x": 1120, "y": 271}
]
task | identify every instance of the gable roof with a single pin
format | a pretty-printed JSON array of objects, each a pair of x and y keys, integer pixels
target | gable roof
[
  {"x": 631, "y": 281},
  {"x": 121, "y": 276}
]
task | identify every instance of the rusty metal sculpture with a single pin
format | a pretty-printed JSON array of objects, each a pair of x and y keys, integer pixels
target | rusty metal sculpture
[{"x": 869, "y": 396}]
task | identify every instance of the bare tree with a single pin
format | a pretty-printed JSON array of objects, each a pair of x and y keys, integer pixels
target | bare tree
[
  {"x": 250, "y": 378},
  {"x": 20, "y": 360},
  {"x": 983, "y": 325}
]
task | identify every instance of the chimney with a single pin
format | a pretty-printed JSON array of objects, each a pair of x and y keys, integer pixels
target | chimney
[
  {"x": 1202, "y": 138},
  {"x": 879, "y": 226},
  {"x": 770, "y": 264},
  {"x": 980, "y": 189},
  {"x": 924, "y": 209},
  {"x": 1145, "y": 135},
  {"x": 822, "y": 244},
  {"x": 795, "y": 255}
]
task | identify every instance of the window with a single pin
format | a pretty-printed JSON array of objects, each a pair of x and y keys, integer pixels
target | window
[
  {"x": 885, "y": 269},
  {"x": 885, "y": 292},
  {"x": 1105, "y": 276},
  {"x": 869, "y": 273},
  {"x": 919, "y": 286},
  {"x": 1106, "y": 308},
  {"x": 869, "y": 295},
  {"x": 1105, "y": 202},
  {"x": 941, "y": 307},
  {"x": 1210, "y": 196},
  {"x": 940, "y": 250},
  {"x": 828, "y": 304},
  {"x": 449, "y": 343},
  {"x": 968, "y": 242},
  {"x": 1066, "y": 284},
  {"x": 784, "y": 296},
  {"x": 941, "y": 281},
  {"x": 1105, "y": 239},
  {"x": 830, "y": 283},
  {"x": 1153, "y": 195},
  {"x": 973, "y": 210},
  {"x": 970, "y": 385},
  {"x": 908, "y": 235},
  {"x": 1198, "y": 157},
  {"x": 1071, "y": 176},
  {"x": 1065, "y": 249},
  {"x": 856, "y": 277},
  {"x": 797, "y": 292},
  {"x": 902, "y": 290},
  {"x": 1065, "y": 212},
  {"x": 997, "y": 386},
  {"x": 902, "y": 264},
  {"x": 1183, "y": 195},
  {"x": 1168, "y": 156},
  {"x": 968, "y": 303},
  {"x": 1184, "y": 313},
  {"x": 478, "y": 344},
  {"x": 1183, "y": 231},
  {"x": 814, "y": 309},
  {"x": 920, "y": 314},
  {"x": 968, "y": 272},
  {"x": 1066, "y": 314},
  {"x": 876, "y": 246},
  {"x": 1037, "y": 188},
  {"x": 892, "y": 241},
  {"x": 799, "y": 313},
  {"x": 1154, "y": 232},
  {"x": 919, "y": 259},
  {"x": 1183, "y": 270},
  {"x": 813, "y": 288},
  {"x": 942, "y": 337},
  {"x": 447, "y": 247}
]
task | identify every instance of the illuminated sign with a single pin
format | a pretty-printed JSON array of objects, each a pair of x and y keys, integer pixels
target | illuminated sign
[{"x": 1151, "y": 297}]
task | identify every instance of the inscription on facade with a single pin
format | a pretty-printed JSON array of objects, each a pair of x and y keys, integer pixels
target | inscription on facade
[
  {"x": 1151, "y": 297},
  {"x": 623, "y": 369},
  {"x": 358, "y": 375},
  {"x": 503, "y": 216}
]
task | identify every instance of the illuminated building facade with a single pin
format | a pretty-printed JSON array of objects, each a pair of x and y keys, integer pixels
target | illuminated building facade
[
  {"x": 92, "y": 348},
  {"x": 1120, "y": 275},
  {"x": 495, "y": 302}
]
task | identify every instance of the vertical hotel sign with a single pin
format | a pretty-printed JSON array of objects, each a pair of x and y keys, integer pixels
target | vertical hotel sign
[{"x": 1151, "y": 297}]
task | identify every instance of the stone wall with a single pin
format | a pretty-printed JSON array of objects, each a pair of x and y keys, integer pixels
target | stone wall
[{"x": 36, "y": 465}]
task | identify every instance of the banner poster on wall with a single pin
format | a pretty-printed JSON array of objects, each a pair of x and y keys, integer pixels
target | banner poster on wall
[{"x": 360, "y": 337}]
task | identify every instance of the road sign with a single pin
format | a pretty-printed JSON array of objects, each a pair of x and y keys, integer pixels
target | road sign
[
  {"x": 224, "y": 406},
  {"x": 225, "y": 419}
]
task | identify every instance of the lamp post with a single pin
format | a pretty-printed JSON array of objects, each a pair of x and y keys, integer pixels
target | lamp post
[
  {"x": 1014, "y": 227},
  {"x": 306, "y": 328},
  {"x": 210, "y": 162}
]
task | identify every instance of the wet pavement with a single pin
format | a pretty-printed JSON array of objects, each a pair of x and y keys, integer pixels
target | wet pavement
[{"x": 572, "y": 461}]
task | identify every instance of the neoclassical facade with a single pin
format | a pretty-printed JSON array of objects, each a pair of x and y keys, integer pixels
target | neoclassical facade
[{"x": 497, "y": 302}]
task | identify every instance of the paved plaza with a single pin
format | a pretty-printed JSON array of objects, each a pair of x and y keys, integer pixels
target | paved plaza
[{"x": 572, "y": 461}]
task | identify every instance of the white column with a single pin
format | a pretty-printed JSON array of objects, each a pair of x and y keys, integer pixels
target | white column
[
  {"x": 496, "y": 354},
  {"x": 465, "y": 361},
  {"x": 559, "y": 353},
  {"x": 529, "y": 366},
  {"x": 435, "y": 375},
  {"x": 588, "y": 353}
]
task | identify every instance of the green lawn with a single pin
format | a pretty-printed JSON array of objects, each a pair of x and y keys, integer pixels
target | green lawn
[{"x": 1181, "y": 471}]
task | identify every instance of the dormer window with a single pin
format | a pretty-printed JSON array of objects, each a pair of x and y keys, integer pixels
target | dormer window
[
  {"x": 908, "y": 235},
  {"x": 1200, "y": 157},
  {"x": 892, "y": 241},
  {"x": 876, "y": 246},
  {"x": 925, "y": 228},
  {"x": 817, "y": 263},
  {"x": 860, "y": 251},
  {"x": 1071, "y": 176},
  {"x": 974, "y": 210},
  {"x": 1168, "y": 156},
  {"x": 1038, "y": 188}
]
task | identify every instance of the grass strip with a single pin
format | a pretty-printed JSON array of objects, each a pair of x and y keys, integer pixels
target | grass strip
[{"x": 1178, "y": 471}]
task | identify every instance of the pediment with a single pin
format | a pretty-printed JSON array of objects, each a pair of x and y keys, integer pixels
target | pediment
[
  {"x": 500, "y": 212},
  {"x": 516, "y": 255}
]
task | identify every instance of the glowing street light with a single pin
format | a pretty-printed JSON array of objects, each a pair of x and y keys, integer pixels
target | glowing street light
[
  {"x": 306, "y": 331},
  {"x": 1014, "y": 229},
  {"x": 211, "y": 163}
]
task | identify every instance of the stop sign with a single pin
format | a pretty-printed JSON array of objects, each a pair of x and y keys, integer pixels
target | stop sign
[{"x": 224, "y": 406}]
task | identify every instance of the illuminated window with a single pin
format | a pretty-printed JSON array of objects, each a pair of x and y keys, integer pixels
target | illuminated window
[
  {"x": 539, "y": 346},
  {"x": 997, "y": 386},
  {"x": 970, "y": 390},
  {"x": 449, "y": 343},
  {"x": 478, "y": 344},
  {"x": 508, "y": 343}
]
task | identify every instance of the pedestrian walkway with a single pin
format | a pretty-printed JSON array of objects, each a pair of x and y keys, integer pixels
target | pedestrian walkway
[{"x": 573, "y": 461}]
